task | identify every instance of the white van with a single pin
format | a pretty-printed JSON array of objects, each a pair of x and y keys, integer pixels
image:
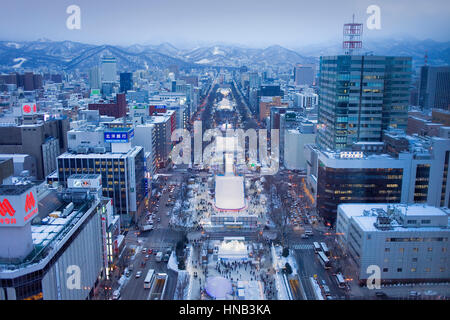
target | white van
[
  {"x": 159, "y": 256},
  {"x": 116, "y": 295}
]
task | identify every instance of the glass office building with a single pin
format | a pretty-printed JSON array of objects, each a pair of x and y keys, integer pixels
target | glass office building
[{"x": 360, "y": 96}]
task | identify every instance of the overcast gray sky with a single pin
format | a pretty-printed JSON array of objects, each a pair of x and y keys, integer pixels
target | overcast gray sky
[{"x": 248, "y": 22}]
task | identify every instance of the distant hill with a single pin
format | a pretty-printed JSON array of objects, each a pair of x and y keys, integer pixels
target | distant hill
[
  {"x": 69, "y": 55},
  {"x": 438, "y": 52}
]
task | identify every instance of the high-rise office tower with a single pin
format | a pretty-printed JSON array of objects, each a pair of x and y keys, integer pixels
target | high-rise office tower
[
  {"x": 434, "y": 87},
  {"x": 360, "y": 96},
  {"x": 94, "y": 78},
  {"x": 109, "y": 69},
  {"x": 122, "y": 171},
  {"x": 28, "y": 84},
  {"x": 254, "y": 80},
  {"x": 126, "y": 81},
  {"x": 304, "y": 74}
]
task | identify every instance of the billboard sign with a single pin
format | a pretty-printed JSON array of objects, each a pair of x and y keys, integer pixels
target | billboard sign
[
  {"x": 16, "y": 210},
  {"x": 140, "y": 106},
  {"x": 290, "y": 116},
  {"x": 351, "y": 155},
  {"x": 29, "y": 108},
  {"x": 159, "y": 108},
  {"x": 95, "y": 93},
  {"x": 118, "y": 136},
  {"x": 84, "y": 182}
]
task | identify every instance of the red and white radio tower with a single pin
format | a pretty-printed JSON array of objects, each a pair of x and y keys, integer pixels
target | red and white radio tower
[{"x": 352, "y": 37}]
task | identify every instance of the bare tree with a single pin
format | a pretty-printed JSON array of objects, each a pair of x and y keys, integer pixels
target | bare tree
[{"x": 277, "y": 207}]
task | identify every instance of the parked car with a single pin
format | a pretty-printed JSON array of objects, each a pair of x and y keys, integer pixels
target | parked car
[
  {"x": 138, "y": 274},
  {"x": 326, "y": 290}
]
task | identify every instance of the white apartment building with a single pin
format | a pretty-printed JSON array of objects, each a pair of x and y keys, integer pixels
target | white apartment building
[{"x": 409, "y": 243}]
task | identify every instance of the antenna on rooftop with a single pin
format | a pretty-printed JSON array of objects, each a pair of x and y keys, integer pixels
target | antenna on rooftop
[{"x": 352, "y": 37}]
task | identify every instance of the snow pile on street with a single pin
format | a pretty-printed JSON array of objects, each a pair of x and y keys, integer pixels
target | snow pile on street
[
  {"x": 279, "y": 263},
  {"x": 183, "y": 286},
  {"x": 122, "y": 281},
  {"x": 289, "y": 259},
  {"x": 173, "y": 262},
  {"x": 188, "y": 269}
]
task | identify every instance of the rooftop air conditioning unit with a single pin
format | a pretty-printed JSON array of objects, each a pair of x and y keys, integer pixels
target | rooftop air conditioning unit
[
  {"x": 83, "y": 150},
  {"x": 100, "y": 150}
]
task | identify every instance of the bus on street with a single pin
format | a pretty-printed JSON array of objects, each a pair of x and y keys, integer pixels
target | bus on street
[
  {"x": 149, "y": 278},
  {"x": 324, "y": 260},
  {"x": 317, "y": 247},
  {"x": 340, "y": 280},
  {"x": 325, "y": 250}
]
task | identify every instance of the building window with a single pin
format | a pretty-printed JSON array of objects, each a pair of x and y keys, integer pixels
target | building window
[
  {"x": 415, "y": 249},
  {"x": 413, "y": 269},
  {"x": 385, "y": 269},
  {"x": 387, "y": 249},
  {"x": 427, "y": 269},
  {"x": 402, "y": 250},
  {"x": 430, "y": 249},
  {"x": 399, "y": 269},
  {"x": 414, "y": 259}
]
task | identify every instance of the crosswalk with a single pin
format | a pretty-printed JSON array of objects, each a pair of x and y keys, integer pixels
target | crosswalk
[
  {"x": 302, "y": 246},
  {"x": 155, "y": 245}
]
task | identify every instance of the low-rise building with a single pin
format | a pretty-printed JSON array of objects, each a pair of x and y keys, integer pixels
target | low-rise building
[
  {"x": 408, "y": 243},
  {"x": 416, "y": 175}
]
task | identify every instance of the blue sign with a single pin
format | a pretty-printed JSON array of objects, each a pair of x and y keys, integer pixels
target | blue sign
[{"x": 118, "y": 136}]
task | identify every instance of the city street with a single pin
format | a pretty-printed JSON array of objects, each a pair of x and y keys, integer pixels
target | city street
[{"x": 160, "y": 239}]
